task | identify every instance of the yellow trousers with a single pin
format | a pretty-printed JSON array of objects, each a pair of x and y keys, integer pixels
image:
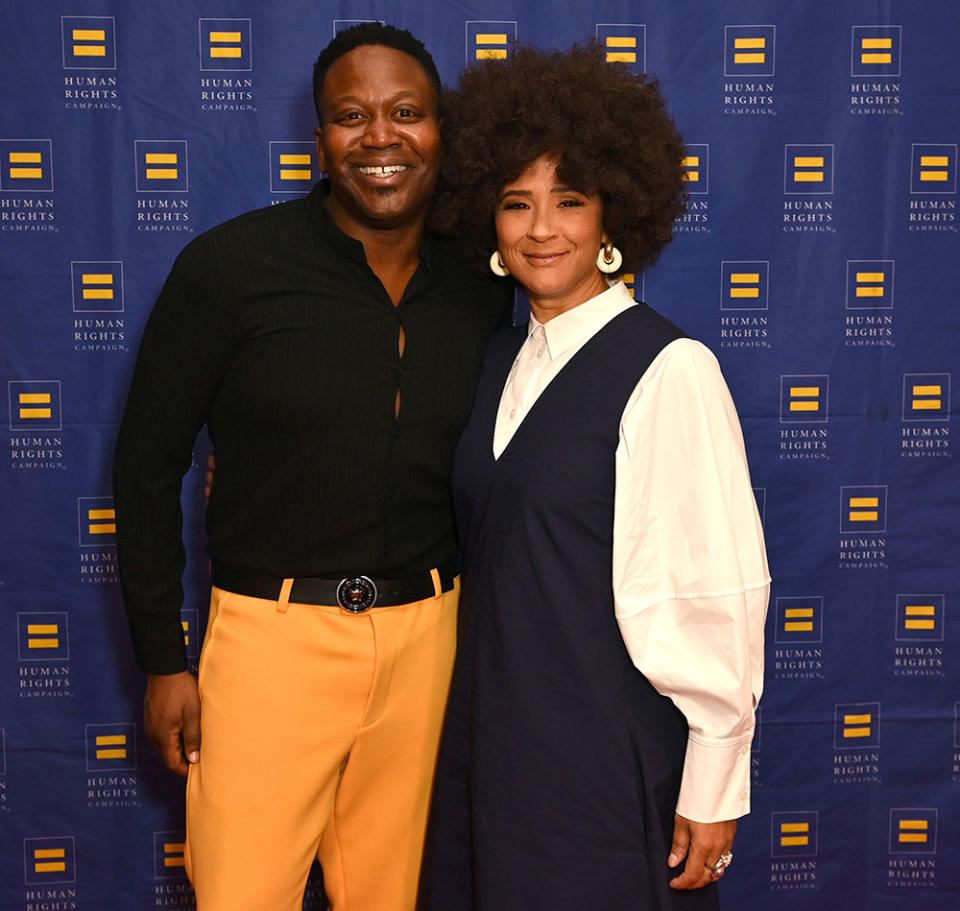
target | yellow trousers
[{"x": 319, "y": 736}]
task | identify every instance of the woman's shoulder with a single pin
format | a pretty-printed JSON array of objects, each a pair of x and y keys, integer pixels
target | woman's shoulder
[
  {"x": 506, "y": 338},
  {"x": 685, "y": 363}
]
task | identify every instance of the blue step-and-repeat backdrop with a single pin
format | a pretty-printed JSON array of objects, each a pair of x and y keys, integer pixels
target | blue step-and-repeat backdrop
[{"x": 818, "y": 259}]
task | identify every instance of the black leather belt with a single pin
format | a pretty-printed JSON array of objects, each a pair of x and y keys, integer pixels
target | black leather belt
[{"x": 353, "y": 593}]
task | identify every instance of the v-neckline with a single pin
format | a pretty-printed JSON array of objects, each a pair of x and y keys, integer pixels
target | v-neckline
[{"x": 587, "y": 344}]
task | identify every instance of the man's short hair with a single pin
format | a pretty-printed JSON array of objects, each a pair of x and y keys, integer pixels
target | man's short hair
[{"x": 375, "y": 33}]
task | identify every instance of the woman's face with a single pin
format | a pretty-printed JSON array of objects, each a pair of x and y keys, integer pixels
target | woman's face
[{"x": 549, "y": 236}]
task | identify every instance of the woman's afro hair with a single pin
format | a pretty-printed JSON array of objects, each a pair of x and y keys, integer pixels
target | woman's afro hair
[{"x": 608, "y": 129}]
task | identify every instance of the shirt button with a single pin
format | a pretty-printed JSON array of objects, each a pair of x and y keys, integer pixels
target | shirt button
[
  {"x": 513, "y": 412},
  {"x": 744, "y": 751},
  {"x": 742, "y": 795}
]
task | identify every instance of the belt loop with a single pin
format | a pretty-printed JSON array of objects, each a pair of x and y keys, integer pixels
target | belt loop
[
  {"x": 437, "y": 584},
  {"x": 283, "y": 600}
]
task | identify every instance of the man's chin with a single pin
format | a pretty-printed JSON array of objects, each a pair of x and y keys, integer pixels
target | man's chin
[
  {"x": 382, "y": 209},
  {"x": 393, "y": 210}
]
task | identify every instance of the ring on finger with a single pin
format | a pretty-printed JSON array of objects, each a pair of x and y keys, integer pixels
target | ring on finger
[{"x": 717, "y": 870}]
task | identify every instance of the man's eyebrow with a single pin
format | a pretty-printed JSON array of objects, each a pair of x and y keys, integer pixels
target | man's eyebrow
[{"x": 397, "y": 96}]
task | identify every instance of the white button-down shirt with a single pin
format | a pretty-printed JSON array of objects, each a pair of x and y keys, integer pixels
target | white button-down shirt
[{"x": 689, "y": 575}]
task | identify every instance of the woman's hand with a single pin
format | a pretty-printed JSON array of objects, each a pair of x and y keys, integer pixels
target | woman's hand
[
  {"x": 208, "y": 476},
  {"x": 702, "y": 843}
]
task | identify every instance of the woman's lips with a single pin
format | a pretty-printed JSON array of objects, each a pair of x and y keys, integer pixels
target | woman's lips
[{"x": 544, "y": 259}]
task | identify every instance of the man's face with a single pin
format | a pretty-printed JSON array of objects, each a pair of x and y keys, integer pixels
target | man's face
[{"x": 379, "y": 139}]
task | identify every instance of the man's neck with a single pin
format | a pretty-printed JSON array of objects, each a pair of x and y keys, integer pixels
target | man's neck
[{"x": 393, "y": 253}]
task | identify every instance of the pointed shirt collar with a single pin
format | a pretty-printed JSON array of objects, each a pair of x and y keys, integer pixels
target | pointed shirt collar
[{"x": 576, "y": 326}]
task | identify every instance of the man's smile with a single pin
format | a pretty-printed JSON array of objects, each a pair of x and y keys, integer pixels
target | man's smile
[{"x": 382, "y": 170}]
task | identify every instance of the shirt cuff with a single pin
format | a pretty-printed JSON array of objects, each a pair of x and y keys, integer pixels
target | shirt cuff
[
  {"x": 158, "y": 644},
  {"x": 716, "y": 780}
]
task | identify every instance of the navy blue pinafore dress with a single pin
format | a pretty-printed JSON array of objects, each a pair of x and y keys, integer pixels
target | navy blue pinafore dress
[{"x": 560, "y": 764}]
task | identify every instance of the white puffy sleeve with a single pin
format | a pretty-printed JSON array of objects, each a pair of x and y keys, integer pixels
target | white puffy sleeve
[{"x": 690, "y": 574}]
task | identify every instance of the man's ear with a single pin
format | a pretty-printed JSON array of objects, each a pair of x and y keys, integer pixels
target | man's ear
[{"x": 321, "y": 157}]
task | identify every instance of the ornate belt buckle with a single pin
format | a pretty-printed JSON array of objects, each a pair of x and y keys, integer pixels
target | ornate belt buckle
[{"x": 357, "y": 594}]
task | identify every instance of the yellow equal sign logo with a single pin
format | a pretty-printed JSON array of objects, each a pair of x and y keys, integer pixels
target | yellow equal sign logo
[
  {"x": 794, "y": 834},
  {"x": 864, "y": 509},
  {"x": 913, "y": 831},
  {"x": 43, "y": 635},
  {"x": 491, "y": 46},
  {"x": 798, "y": 620},
  {"x": 920, "y": 616},
  {"x": 161, "y": 158},
  {"x": 111, "y": 746},
  {"x": 691, "y": 167},
  {"x": 173, "y": 854},
  {"x": 804, "y": 398},
  {"x": 927, "y": 398},
  {"x": 226, "y": 45},
  {"x": 630, "y": 280},
  {"x": 855, "y": 726},
  {"x": 91, "y": 279},
  {"x": 292, "y": 166},
  {"x": 749, "y": 50},
  {"x": 49, "y": 860},
  {"x": 621, "y": 49},
  {"x": 26, "y": 165},
  {"x": 185, "y": 624},
  {"x": 98, "y": 47},
  {"x": 102, "y": 521},
  {"x": 876, "y": 50},
  {"x": 744, "y": 284},
  {"x": 32, "y": 405},
  {"x": 934, "y": 168},
  {"x": 812, "y": 168},
  {"x": 871, "y": 284}
]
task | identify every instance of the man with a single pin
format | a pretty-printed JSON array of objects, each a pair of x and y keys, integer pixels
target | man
[{"x": 332, "y": 349}]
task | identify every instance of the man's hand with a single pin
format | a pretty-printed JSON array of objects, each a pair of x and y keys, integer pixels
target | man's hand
[
  {"x": 171, "y": 716},
  {"x": 701, "y": 843}
]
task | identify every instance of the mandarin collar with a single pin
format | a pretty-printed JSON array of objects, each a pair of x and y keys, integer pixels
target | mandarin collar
[
  {"x": 578, "y": 324},
  {"x": 350, "y": 246}
]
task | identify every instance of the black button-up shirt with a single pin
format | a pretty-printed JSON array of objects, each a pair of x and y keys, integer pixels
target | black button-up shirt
[{"x": 273, "y": 331}]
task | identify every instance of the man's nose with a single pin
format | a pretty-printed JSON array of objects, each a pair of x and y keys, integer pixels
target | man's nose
[{"x": 381, "y": 132}]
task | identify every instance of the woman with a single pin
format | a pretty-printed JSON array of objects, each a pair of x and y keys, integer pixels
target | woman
[{"x": 596, "y": 749}]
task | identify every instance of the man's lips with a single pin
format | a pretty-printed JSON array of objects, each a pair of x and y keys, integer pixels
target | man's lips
[{"x": 382, "y": 170}]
